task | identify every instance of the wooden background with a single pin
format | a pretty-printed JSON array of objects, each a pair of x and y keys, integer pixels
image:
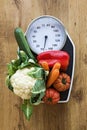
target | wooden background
[{"x": 68, "y": 116}]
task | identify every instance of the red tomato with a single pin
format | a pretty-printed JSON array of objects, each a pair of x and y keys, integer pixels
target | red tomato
[{"x": 51, "y": 96}]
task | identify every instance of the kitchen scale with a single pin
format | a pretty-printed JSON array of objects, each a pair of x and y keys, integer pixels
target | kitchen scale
[{"x": 48, "y": 33}]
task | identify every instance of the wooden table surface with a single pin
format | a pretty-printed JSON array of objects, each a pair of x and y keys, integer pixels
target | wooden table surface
[{"x": 67, "y": 116}]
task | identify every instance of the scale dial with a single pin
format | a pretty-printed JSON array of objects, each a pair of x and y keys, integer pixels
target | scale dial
[{"x": 46, "y": 33}]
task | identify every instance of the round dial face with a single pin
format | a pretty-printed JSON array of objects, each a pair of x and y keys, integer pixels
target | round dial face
[{"x": 46, "y": 33}]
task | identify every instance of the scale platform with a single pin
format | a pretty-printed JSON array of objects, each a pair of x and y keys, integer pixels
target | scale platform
[
  {"x": 67, "y": 43},
  {"x": 70, "y": 48}
]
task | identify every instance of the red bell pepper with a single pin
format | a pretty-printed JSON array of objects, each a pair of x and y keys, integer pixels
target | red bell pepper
[{"x": 51, "y": 57}]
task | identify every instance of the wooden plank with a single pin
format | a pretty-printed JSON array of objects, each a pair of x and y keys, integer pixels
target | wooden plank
[{"x": 71, "y": 115}]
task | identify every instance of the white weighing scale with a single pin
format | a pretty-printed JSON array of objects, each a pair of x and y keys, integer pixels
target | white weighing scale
[{"x": 48, "y": 33}]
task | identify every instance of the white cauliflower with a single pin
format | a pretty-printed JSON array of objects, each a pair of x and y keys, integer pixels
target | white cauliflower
[
  {"x": 26, "y": 78},
  {"x": 22, "y": 83}
]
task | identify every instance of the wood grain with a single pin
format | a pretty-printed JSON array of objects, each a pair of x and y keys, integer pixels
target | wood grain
[{"x": 68, "y": 116}]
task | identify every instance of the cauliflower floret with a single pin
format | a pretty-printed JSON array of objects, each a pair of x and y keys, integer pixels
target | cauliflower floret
[{"x": 22, "y": 83}]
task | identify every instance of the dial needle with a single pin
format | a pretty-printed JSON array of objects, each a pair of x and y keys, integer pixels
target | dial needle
[{"x": 45, "y": 41}]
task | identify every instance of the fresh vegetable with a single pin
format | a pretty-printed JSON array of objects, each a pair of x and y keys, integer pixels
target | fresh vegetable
[
  {"x": 27, "y": 80},
  {"x": 37, "y": 98},
  {"x": 22, "y": 42},
  {"x": 53, "y": 75},
  {"x": 44, "y": 64},
  {"x": 62, "y": 83},
  {"x": 51, "y": 96},
  {"x": 56, "y": 66},
  {"x": 51, "y": 57},
  {"x": 23, "y": 83},
  {"x": 27, "y": 108},
  {"x": 30, "y": 77}
]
